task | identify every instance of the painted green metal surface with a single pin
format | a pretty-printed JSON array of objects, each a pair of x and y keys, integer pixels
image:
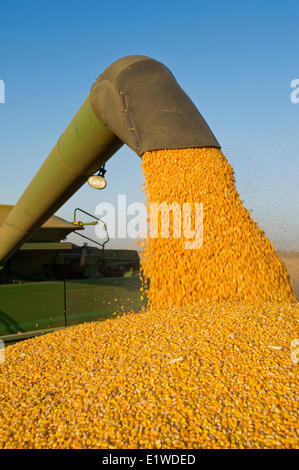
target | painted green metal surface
[
  {"x": 46, "y": 246},
  {"x": 81, "y": 150},
  {"x": 31, "y": 307},
  {"x": 95, "y": 299}
]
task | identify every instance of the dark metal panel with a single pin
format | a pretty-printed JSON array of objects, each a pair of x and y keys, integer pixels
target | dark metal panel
[
  {"x": 83, "y": 147},
  {"x": 46, "y": 246}
]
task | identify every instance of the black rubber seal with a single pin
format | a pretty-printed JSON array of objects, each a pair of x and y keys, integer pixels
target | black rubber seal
[{"x": 139, "y": 99}]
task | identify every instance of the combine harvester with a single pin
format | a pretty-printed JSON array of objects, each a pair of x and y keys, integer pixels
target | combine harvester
[{"x": 46, "y": 283}]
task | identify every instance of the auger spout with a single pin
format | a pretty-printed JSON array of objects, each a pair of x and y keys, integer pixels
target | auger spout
[{"x": 136, "y": 101}]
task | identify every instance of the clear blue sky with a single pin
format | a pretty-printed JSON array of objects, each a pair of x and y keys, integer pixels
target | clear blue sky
[{"x": 235, "y": 59}]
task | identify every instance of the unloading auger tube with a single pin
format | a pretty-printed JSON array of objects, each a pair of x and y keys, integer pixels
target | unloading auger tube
[{"x": 136, "y": 101}]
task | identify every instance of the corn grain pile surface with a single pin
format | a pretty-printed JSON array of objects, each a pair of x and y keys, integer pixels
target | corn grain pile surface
[
  {"x": 205, "y": 376},
  {"x": 236, "y": 260},
  {"x": 209, "y": 365}
]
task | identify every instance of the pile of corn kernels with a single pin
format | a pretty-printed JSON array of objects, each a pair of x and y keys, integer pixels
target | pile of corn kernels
[{"x": 210, "y": 364}]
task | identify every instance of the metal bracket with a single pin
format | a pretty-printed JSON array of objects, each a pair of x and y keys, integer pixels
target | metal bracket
[{"x": 84, "y": 224}]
